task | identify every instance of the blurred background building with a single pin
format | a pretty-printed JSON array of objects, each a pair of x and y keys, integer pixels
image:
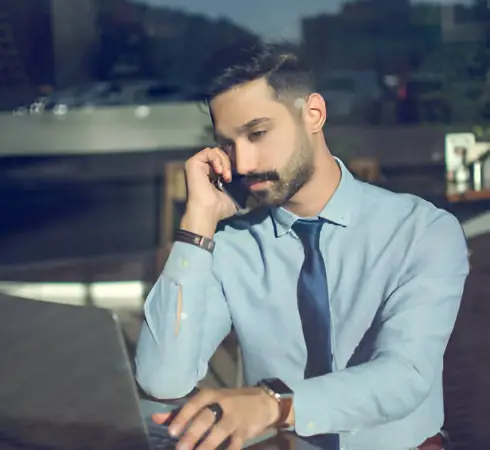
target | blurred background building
[{"x": 46, "y": 43}]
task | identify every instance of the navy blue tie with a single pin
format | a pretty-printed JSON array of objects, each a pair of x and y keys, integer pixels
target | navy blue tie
[{"x": 314, "y": 310}]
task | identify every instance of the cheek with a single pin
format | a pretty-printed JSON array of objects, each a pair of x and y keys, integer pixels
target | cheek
[{"x": 276, "y": 150}]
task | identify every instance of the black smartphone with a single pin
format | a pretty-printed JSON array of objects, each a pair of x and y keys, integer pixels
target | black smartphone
[{"x": 235, "y": 189}]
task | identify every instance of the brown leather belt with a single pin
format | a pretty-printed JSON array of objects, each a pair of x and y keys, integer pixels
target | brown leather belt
[{"x": 433, "y": 443}]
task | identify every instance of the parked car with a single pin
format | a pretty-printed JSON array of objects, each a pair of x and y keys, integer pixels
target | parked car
[{"x": 145, "y": 92}]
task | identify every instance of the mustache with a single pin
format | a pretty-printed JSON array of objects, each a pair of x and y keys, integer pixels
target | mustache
[{"x": 258, "y": 177}]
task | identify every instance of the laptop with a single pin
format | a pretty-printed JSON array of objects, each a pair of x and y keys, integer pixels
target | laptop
[{"x": 66, "y": 381}]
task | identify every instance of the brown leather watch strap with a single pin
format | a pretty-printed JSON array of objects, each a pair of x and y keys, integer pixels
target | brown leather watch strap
[
  {"x": 285, "y": 405},
  {"x": 194, "y": 239}
]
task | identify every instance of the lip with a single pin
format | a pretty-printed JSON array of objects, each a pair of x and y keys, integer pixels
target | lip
[{"x": 255, "y": 186}]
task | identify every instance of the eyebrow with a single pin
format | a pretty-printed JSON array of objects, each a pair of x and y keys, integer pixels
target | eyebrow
[
  {"x": 246, "y": 127},
  {"x": 253, "y": 123}
]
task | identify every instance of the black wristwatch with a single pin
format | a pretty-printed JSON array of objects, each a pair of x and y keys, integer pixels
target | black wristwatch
[{"x": 283, "y": 395}]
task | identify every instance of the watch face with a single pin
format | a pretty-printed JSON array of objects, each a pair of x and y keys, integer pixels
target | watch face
[{"x": 278, "y": 387}]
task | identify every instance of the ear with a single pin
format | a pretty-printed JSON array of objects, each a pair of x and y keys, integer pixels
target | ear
[{"x": 315, "y": 113}]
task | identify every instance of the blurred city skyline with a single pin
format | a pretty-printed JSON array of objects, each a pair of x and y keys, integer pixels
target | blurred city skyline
[
  {"x": 72, "y": 45},
  {"x": 272, "y": 19}
]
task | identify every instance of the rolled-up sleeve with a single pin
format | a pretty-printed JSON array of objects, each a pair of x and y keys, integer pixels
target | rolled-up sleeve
[
  {"x": 185, "y": 319},
  {"x": 415, "y": 324}
]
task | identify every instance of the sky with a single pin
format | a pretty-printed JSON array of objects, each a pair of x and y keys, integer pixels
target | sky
[{"x": 273, "y": 19}]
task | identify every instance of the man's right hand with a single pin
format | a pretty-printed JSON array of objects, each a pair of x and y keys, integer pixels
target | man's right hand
[{"x": 206, "y": 205}]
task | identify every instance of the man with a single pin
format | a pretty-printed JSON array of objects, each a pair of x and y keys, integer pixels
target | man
[{"x": 343, "y": 295}]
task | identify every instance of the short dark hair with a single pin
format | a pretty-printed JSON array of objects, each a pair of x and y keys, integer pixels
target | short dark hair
[{"x": 243, "y": 62}]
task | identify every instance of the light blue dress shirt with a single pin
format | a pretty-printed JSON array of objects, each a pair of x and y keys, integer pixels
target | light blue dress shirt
[{"x": 396, "y": 267}]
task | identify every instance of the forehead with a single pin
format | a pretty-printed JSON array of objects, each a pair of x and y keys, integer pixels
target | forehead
[{"x": 243, "y": 104}]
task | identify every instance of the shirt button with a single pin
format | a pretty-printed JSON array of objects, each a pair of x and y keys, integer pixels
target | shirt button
[
  {"x": 184, "y": 263},
  {"x": 311, "y": 426},
  {"x": 183, "y": 316}
]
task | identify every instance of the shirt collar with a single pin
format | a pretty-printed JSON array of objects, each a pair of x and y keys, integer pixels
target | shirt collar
[{"x": 338, "y": 209}]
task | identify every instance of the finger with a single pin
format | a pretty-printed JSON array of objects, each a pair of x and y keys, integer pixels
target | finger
[
  {"x": 218, "y": 160},
  {"x": 213, "y": 157},
  {"x": 217, "y": 436},
  {"x": 236, "y": 443},
  {"x": 160, "y": 418},
  {"x": 199, "y": 427},
  {"x": 191, "y": 409},
  {"x": 225, "y": 159}
]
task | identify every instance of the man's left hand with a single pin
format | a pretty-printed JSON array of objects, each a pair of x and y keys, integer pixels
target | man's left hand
[{"x": 247, "y": 413}]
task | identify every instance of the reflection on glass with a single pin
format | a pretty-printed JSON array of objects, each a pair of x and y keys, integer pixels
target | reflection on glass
[{"x": 376, "y": 62}]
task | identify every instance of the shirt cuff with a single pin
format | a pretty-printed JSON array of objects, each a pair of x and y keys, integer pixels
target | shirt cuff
[{"x": 308, "y": 407}]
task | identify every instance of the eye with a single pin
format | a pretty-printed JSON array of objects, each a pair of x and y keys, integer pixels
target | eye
[{"x": 256, "y": 135}]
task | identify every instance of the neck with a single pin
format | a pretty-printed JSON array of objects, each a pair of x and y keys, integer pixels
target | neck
[{"x": 314, "y": 195}]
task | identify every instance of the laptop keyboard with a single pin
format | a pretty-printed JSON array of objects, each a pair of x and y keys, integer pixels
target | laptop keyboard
[{"x": 160, "y": 438}]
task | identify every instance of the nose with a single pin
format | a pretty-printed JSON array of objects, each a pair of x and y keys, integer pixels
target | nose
[{"x": 246, "y": 160}]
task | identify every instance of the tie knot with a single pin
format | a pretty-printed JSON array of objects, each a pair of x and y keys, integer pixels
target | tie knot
[{"x": 309, "y": 232}]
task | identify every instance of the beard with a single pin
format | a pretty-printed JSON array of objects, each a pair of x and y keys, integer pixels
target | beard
[{"x": 288, "y": 181}]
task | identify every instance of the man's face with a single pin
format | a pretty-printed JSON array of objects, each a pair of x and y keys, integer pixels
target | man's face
[{"x": 267, "y": 143}]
